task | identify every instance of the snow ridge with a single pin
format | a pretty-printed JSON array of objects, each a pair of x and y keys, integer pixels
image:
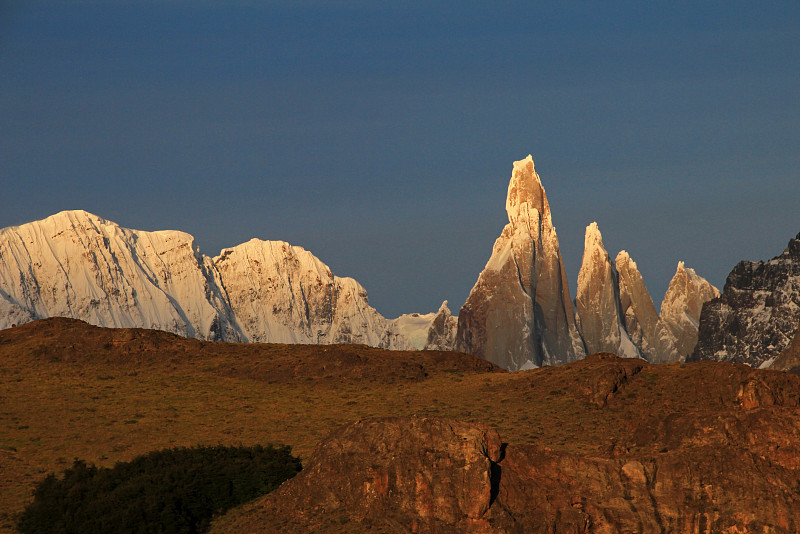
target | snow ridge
[{"x": 76, "y": 264}]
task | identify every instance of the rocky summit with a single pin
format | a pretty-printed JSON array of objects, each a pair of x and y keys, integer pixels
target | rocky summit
[
  {"x": 756, "y": 316},
  {"x": 519, "y": 313},
  {"x": 597, "y": 302}
]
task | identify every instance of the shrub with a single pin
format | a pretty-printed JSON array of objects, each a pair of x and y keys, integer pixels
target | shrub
[{"x": 170, "y": 491}]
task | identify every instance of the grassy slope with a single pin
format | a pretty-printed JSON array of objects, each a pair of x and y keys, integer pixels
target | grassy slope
[{"x": 74, "y": 392}]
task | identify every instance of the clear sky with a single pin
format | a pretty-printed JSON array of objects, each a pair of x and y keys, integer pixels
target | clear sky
[{"x": 381, "y": 137}]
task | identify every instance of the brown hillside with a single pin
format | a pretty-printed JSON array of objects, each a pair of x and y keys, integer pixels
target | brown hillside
[
  {"x": 69, "y": 390},
  {"x": 696, "y": 448}
]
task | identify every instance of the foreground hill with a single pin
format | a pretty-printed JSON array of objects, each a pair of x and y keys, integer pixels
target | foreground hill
[
  {"x": 599, "y": 445},
  {"x": 648, "y": 449}
]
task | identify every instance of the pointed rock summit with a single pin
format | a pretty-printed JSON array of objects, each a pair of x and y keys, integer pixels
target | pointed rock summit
[
  {"x": 681, "y": 307},
  {"x": 598, "y": 302},
  {"x": 519, "y": 314},
  {"x": 654, "y": 340},
  {"x": 442, "y": 331}
]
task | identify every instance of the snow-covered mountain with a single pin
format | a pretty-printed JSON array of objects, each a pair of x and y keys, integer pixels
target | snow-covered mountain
[
  {"x": 280, "y": 293},
  {"x": 75, "y": 264},
  {"x": 519, "y": 313},
  {"x": 430, "y": 331}
]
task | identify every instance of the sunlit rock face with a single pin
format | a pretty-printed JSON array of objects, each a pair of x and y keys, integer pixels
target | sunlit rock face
[
  {"x": 75, "y": 264},
  {"x": 519, "y": 313},
  {"x": 442, "y": 330},
  {"x": 756, "y": 316},
  {"x": 598, "y": 302},
  {"x": 284, "y": 294},
  {"x": 651, "y": 336},
  {"x": 683, "y": 302}
]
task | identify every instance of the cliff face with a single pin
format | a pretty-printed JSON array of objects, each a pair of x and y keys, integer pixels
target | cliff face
[
  {"x": 597, "y": 302},
  {"x": 724, "y": 457},
  {"x": 789, "y": 359},
  {"x": 680, "y": 310},
  {"x": 519, "y": 313},
  {"x": 648, "y": 332},
  {"x": 756, "y": 316}
]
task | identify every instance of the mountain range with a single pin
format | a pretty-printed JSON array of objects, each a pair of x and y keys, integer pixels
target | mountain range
[{"x": 518, "y": 315}]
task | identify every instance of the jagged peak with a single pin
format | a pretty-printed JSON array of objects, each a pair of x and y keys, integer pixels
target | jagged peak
[
  {"x": 444, "y": 308},
  {"x": 623, "y": 258},
  {"x": 685, "y": 276},
  {"x": 525, "y": 191},
  {"x": 593, "y": 239},
  {"x": 593, "y": 235},
  {"x": 594, "y": 254}
]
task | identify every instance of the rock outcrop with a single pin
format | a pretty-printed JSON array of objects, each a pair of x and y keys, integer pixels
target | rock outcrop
[
  {"x": 597, "y": 303},
  {"x": 519, "y": 313},
  {"x": 384, "y": 471},
  {"x": 654, "y": 340},
  {"x": 693, "y": 472},
  {"x": 756, "y": 316}
]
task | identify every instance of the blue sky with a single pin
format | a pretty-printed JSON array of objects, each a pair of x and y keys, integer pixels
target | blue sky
[{"x": 381, "y": 137}]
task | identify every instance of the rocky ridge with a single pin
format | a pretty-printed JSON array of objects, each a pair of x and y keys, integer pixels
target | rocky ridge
[
  {"x": 756, "y": 316},
  {"x": 518, "y": 315}
]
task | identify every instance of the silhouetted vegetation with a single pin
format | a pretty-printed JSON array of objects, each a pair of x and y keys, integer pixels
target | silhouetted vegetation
[{"x": 170, "y": 491}]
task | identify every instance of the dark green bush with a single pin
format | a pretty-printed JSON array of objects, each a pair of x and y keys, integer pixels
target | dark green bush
[{"x": 170, "y": 491}]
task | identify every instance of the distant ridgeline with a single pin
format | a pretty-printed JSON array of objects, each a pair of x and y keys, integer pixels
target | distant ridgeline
[{"x": 519, "y": 314}]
